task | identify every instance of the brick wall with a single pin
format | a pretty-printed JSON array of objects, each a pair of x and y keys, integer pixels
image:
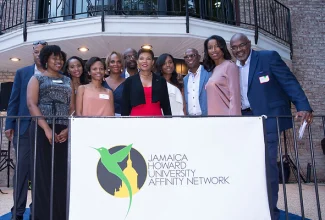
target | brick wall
[
  {"x": 308, "y": 63},
  {"x": 5, "y": 77}
]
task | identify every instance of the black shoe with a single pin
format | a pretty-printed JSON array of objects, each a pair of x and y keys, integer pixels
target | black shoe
[{"x": 17, "y": 218}]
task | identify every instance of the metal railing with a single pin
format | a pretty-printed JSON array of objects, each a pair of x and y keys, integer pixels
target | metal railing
[
  {"x": 288, "y": 147},
  {"x": 266, "y": 16}
]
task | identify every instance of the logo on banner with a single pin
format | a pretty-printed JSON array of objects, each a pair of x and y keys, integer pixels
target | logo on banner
[{"x": 121, "y": 171}]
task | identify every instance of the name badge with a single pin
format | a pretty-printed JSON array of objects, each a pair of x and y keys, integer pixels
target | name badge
[
  {"x": 264, "y": 79},
  {"x": 103, "y": 96},
  {"x": 59, "y": 81}
]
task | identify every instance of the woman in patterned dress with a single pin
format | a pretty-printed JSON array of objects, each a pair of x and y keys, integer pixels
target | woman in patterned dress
[{"x": 50, "y": 94}]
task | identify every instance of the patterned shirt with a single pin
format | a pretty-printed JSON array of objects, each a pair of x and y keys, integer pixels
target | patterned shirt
[{"x": 54, "y": 97}]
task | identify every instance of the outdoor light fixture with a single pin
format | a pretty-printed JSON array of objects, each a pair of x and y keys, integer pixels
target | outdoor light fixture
[
  {"x": 146, "y": 47},
  {"x": 83, "y": 49},
  {"x": 14, "y": 59}
]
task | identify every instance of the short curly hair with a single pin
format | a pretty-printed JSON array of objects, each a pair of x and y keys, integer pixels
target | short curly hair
[{"x": 46, "y": 52}]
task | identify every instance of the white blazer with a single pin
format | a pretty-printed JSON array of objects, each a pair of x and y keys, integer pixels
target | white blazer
[{"x": 175, "y": 99}]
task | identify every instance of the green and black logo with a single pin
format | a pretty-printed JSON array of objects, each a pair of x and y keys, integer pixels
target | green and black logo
[{"x": 121, "y": 171}]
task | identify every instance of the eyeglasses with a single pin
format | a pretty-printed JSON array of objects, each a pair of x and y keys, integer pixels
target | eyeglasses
[
  {"x": 239, "y": 47},
  {"x": 42, "y": 42},
  {"x": 129, "y": 57},
  {"x": 190, "y": 56}
]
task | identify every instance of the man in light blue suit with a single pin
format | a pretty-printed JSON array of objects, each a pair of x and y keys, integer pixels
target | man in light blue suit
[
  {"x": 18, "y": 107},
  {"x": 194, "y": 84},
  {"x": 268, "y": 87}
]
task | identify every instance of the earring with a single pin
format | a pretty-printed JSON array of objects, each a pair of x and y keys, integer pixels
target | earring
[{"x": 45, "y": 65}]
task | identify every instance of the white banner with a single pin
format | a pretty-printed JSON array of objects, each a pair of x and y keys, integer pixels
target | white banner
[{"x": 168, "y": 168}]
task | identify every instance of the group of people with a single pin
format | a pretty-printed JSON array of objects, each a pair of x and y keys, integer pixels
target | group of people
[{"x": 257, "y": 83}]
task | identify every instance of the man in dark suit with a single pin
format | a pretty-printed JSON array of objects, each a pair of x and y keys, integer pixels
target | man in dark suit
[
  {"x": 18, "y": 107},
  {"x": 267, "y": 88},
  {"x": 130, "y": 61}
]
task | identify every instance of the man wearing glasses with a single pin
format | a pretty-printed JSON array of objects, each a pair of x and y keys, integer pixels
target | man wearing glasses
[
  {"x": 267, "y": 88},
  {"x": 130, "y": 58},
  {"x": 194, "y": 84},
  {"x": 18, "y": 107}
]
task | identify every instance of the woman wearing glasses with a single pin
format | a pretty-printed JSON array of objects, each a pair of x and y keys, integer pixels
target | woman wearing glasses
[
  {"x": 145, "y": 93},
  {"x": 223, "y": 89}
]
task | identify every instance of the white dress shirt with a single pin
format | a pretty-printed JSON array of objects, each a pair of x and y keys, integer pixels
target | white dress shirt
[
  {"x": 193, "y": 88},
  {"x": 244, "y": 72},
  {"x": 126, "y": 73},
  {"x": 36, "y": 71}
]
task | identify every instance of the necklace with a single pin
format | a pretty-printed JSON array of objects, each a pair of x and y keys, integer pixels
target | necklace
[
  {"x": 76, "y": 85},
  {"x": 141, "y": 74}
]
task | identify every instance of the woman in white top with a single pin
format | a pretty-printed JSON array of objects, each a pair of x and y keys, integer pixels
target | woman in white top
[{"x": 165, "y": 66}]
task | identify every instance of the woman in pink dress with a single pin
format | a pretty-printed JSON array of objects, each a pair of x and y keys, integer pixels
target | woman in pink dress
[
  {"x": 223, "y": 89},
  {"x": 93, "y": 99}
]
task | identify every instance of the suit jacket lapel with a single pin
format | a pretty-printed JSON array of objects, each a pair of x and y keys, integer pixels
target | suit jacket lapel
[
  {"x": 139, "y": 88},
  {"x": 29, "y": 73},
  {"x": 252, "y": 67},
  {"x": 202, "y": 79},
  {"x": 185, "y": 87},
  {"x": 155, "y": 87}
]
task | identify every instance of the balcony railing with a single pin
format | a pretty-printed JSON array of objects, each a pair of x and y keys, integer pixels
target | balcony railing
[
  {"x": 263, "y": 16},
  {"x": 289, "y": 157}
]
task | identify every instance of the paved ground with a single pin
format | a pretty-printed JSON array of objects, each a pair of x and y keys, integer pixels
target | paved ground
[
  {"x": 308, "y": 191},
  {"x": 309, "y": 200}
]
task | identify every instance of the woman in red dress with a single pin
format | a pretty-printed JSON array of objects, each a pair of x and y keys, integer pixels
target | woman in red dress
[{"x": 145, "y": 93}]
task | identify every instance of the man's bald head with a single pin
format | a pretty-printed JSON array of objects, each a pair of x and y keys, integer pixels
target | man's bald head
[
  {"x": 130, "y": 50},
  {"x": 192, "y": 50},
  {"x": 192, "y": 59},
  {"x": 240, "y": 46},
  {"x": 130, "y": 57},
  {"x": 239, "y": 36}
]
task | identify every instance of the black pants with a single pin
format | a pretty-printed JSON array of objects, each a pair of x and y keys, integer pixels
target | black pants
[
  {"x": 42, "y": 185},
  {"x": 23, "y": 174}
]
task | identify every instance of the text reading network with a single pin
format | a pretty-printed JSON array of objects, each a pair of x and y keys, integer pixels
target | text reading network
[{"x": 172, "y": 169}]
